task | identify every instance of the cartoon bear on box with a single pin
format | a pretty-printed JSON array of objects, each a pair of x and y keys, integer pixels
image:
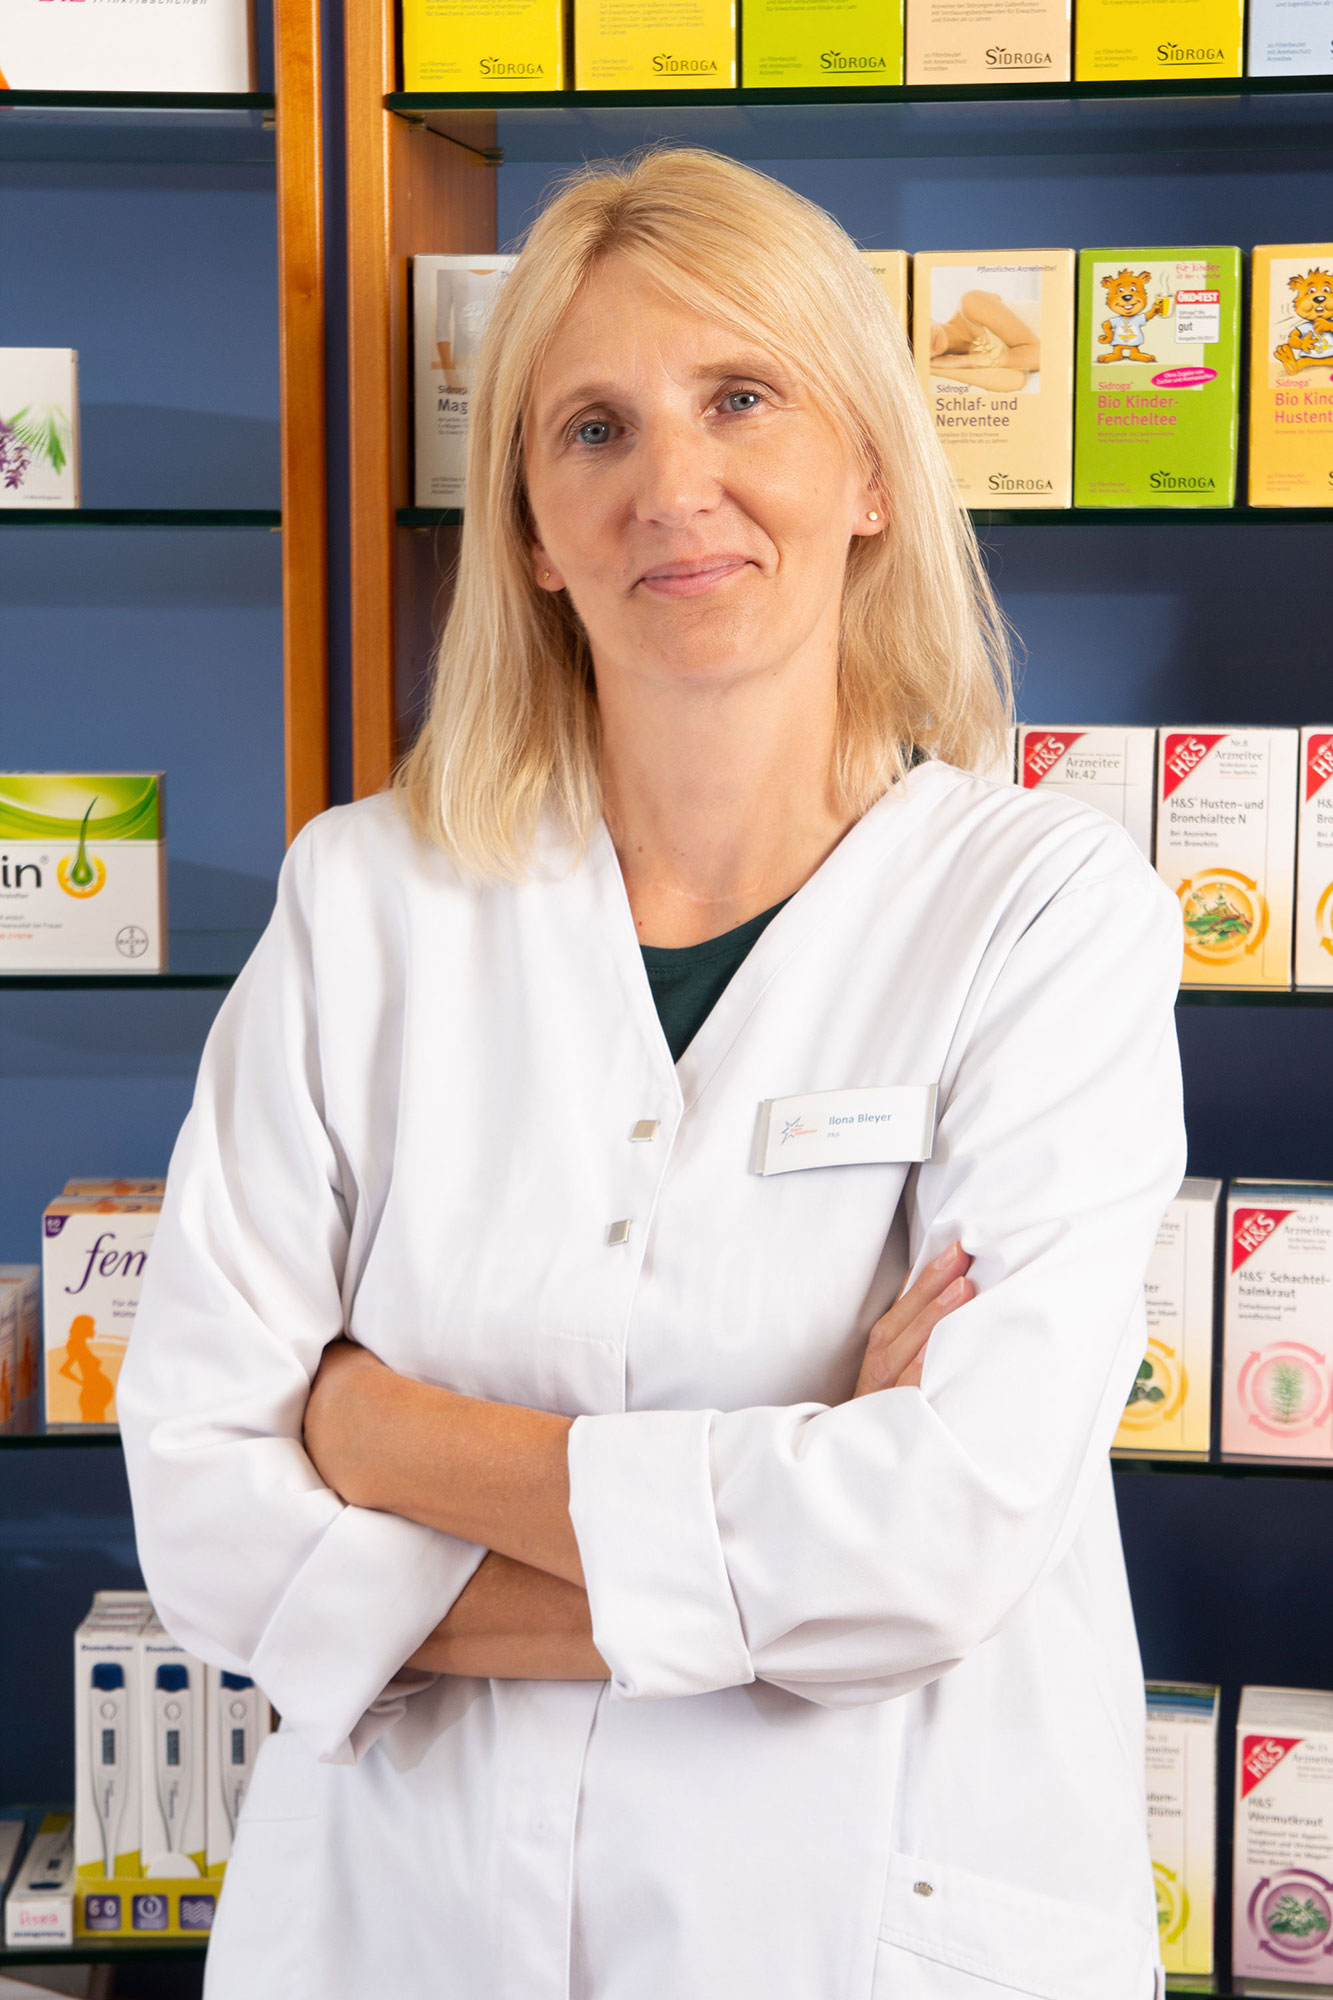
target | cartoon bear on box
[
  {"x": 1311, "y": 345},
  {"x": 1127, "y": 304}
]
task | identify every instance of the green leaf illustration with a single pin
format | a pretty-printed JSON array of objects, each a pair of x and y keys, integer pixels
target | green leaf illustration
[{"x": 1286, "y": 1391}]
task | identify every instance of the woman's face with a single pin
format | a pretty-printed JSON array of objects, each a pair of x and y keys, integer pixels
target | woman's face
[{"x": 688, "y": 491}]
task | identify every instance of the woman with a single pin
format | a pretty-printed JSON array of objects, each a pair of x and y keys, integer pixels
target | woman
[{"x": 624, "y": 1650}]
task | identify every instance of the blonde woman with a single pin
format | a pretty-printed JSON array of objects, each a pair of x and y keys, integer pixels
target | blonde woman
[{"x": 532, "y": 1390}]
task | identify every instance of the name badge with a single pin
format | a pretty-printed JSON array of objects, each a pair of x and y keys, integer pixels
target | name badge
[{"x": 846, "y": 1128}]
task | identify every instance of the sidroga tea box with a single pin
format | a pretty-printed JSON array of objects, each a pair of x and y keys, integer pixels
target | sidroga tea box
[
  {"x": 988, "y": 41},
  {"x": 1290, "y": 38},
  {"x": 82, "y": 871},
  {"x": 993, "y": 336},
  {"x": 21, "y": 1285},
  {"x": 1314, "y": 860},
  {"x": 94, "y": 1255},
  {"x": 1181, "y": 1743},
  {"x": 1171, "y": 1404},
  {"x": 1226, "y": 844},
  {"x": 483, "y": 45},
  {"x": 39, "y": 426},
  {"x": 1107, "y": 767},
  {"x": 829, "y": 43},
  {"x": 205, "y": 46},
  {"x": 889, "y": 269},
  {"x": 1291, "y": 371},
  {"x": 1156, "y": 395},
  {"x": 1282, "y": 1916},
  {"x": 1123, "y": 40},
  {"x": 1277, "y": 1347},
  {"x": 452, "y": 298},
  {"x": 668, "y": 45}
]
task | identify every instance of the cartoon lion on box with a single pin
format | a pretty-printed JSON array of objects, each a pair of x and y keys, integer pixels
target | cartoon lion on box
[
  {"x": 1127, "y": 304},
  {"x": 1311, "y": 345}
]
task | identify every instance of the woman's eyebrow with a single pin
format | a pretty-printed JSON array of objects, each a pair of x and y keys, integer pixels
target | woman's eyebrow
[{"x": 755, "y": 362}]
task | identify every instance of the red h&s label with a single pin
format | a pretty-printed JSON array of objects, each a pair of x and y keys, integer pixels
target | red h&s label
[
  {"x": 1249, "y": 1228},
  {"x": 1259, "y": 1755},
  {"x": 1183, "y": 754},
  {"x": 1318, "y": 763},
  {"x": 1043, "y": 750}
]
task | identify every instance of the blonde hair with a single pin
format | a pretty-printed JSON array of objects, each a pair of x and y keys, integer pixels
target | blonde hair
[{"x": 511, "y": 731}]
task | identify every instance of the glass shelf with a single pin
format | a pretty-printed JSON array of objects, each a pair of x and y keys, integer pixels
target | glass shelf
[
  {"x": 199, "y": 127},
  {"x": 1206, "y": 115},
  {"x": 1240, "y": 996},
  {"x": 45, "y": 1440},
  {"x": 140, "y": 517},
  {"x": 1225, "y": 1468},
  {"x": 195, "y": 959},
  {"x": 1038, "y": 517},
  {"x": 88, "y": 1951}
]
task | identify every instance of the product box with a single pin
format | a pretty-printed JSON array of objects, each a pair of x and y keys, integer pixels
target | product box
[
  {"x": 238, "y": 1720},
  {"x": 1282, "y": 1922},
  {"x": 39, "y": 1909},
  {"x": 483, "y": 45},
  {"x": 798, "y": 43},
  {"x": 1120, "y": 40},
  {"x": 1291, "y": 368},
  {"x": 1001, "y": 768},
  {"x": 889, "y": 268},
  {"x": 9, "y": 1358},
  {"x": 1314, "y": 860},
  {"x": 39, "y": 410},
  {"x": 987, "y": 41},
  {"x": 1226, "y": 843},
  {"x": 94, "y": 1254},
  {"x": 993, "y": 335},
  {"x": 1290, "y": 38},
  {"x": 21, "y": 1287},
  {"x": 1108, "y": 767},
  {"x": 1182, "y": 1819},
  {"x": 1170, "y": 1406},
  {"x": 451, "y": 303},
  {"x": 171, "y": 1736},
  {"x": 1157, "y": 385},
  {"x": 207, "y": 45},
  {"x": 97, "y": 1190},
  {"x": 13, "y": 1834},
  {"x": 1277, "y": 1348},
  {"x": 672, "y": 45},
  {"x": 83, "y": 871},
  {"x": 106, "y": 1754}
]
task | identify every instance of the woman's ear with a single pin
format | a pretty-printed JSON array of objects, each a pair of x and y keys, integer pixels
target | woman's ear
[
  {"x": 874, "y": 513},
  {"x": 545, "y": 572}
]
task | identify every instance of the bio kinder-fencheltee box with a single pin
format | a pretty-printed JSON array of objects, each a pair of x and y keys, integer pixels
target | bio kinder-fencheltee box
[
  {"x": 1277, "y": 1349},
  {"x": 1181, "y": 1743},
  {"x": 790, "y": 44},
  {"x": 1170, "y": 1406},
  {"x": 39, "y": 420},
  {"x": 1291, "y": 374},
  {"x": 82, "y": 871},
  {"x": 1290, "y": 38},
  {"x": 654, "y": 44},
  {"x": 94, "y": 1254},
  {"x": 1108, "y": 767},
  {"x": 988, "y": 41},
  {"x": 993, "y": 336},
  {"x": 1282, "y": 1915},
  {"x": 452, "y": 300},
  {"x": 511, "y": 45},
  {"x": 1157, "y": 383},
  {"x": 1314, "y": 860},
  {"x": 1124, "y": 40},
  {"x": 1226, "y": 844}
]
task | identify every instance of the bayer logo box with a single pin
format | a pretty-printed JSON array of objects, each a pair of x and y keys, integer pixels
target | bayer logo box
[{"x": 82, "y": 872}]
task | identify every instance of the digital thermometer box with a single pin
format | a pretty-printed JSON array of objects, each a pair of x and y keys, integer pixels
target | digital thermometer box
[
  {"x": 94, "y": 1255},
  {"x": 1109, "y": 768},
  {"x": 1282, "y": 1921},
  {"x": 22, "y": 1284},
  {"x": 39, "y": 1909},
  {"x": 106, "y": 1760},
  {"x": 238, "y": 1719},
  {"x": 82, "y": 871},
  {"x": 171, "y": 1737},
  {"x": 1170, "y": 1406},
  {"x": 1181, "y": 1743},
  {"x": 1314, "y": 860},
  {"x": 452, "y": 299},
  {"x": 1277, "y": 1350}
]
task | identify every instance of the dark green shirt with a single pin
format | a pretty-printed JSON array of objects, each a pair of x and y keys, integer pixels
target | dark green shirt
[{"x": 689, "y": 980}]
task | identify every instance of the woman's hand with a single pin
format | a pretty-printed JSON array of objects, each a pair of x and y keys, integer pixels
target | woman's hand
[{"x": 896, "y": 1349}]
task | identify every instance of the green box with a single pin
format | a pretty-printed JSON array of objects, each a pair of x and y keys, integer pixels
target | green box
[
  {"x": 1157, "y": 379},
  {"x": 831, "y": 44}
]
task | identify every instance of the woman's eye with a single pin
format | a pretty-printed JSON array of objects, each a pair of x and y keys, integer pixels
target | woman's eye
[
  {"x": 595, "y": 432},
  {"x": 740, "y": 400}
]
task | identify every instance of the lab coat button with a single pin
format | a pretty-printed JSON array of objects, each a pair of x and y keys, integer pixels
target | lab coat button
[
  {"x": 618, "y": 1232},
  {"x": 646, "y": 1128},
  {"x": 923, "y": 1888}
]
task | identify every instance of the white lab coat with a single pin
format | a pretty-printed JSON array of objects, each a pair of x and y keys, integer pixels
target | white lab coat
[{"x": 875, "y": 1724}]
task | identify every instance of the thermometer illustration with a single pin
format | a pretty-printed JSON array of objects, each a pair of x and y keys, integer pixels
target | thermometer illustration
[
  {"x": 108, "y": 1718},
  {"x": 173, "y": 1720},
  {"x": 240, "y": 1713}
]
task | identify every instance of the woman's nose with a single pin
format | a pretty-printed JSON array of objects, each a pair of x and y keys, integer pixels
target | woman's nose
[{"x": 676, "y": 472}]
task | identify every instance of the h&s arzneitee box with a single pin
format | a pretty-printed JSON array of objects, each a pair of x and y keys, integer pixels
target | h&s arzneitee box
[
  {"x": 82, "y": 871},
  {"x": 1181, "y": 1744},
  {"x": 1171, "y": 1404},
  {"x": 1277, "y": 1347},
  {"x": 1282, "y": 1919},
  {"x": 1314, "y": 860},
  {"x": 1104, "y": 765},
  {"x": 789, "y": 44},
  {"x": 1291, "y": 374}
]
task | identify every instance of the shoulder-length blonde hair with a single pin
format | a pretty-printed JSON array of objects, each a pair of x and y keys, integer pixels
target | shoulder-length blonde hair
[{"x": 511, "y": 732}]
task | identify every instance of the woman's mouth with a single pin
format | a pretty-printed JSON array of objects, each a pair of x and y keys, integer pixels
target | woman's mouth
[{"x": 693, "y": 578}]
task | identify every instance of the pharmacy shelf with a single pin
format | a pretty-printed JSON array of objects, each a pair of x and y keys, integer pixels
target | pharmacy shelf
[
  {"x": 45, "y": 1440},
  {"x": 195, "y": 959},
  {"x": 192, "y": 127},
  {"x": 1039, "y": 517},
  {"x": 140, "y": 517},
  {"x": 164, "y": 1951},
  {"x": 1225, "y": 1468},
  {"x": 1240, "y": 996}
]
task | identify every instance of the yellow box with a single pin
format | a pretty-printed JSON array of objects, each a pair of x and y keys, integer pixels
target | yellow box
[
  {"x": 1291, "y": 375},
  {"x": 1181, "y": 1746},
  {"x": 993, "y": 335},
  {"x": 1115, "y": 40},
  {"x": 988, "y": 41},
  {"x": 654, "y": 44},
  {"x": 831, "y": 44},
  {"x": 889, "y": 267},
  {"x": 483, "y": 45},
  {"x": 1170, "y": 1406}
]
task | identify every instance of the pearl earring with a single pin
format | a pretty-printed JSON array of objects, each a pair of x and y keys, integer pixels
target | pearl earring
[
  {"x": 546, "y": 576},
  {"x": 874, "y": 517}
]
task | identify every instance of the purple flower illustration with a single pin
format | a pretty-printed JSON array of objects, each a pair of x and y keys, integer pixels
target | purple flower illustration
[{"x": 15, "y": 455}]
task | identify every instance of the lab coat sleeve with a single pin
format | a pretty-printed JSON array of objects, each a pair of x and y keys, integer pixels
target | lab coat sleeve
[
  {"x": 852, "y": 1553},
  {"x": 252, "y": 1562}
]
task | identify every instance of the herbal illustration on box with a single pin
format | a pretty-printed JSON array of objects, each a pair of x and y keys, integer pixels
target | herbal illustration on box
[
  {"x": 1300, "y": 322},
  {"x": 1225, "y": 915},
  {"x": 1292, "y": 1915},
  {"x": 1173, "y": 1903},
  {"x": 985, "y": 328},
  {"x": 1286, "y": 1389},
  {"x": 1162, "y": 317},
  {"x": 1159, "y": 1388},
  {"x": 35, "y": 436}
]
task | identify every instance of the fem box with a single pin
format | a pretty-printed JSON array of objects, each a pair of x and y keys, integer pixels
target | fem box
[
  {"x": 993, "y": 335},
  {"x": 671, "y": 45},
  {"x": 1170, "y": 1406},
  {"x": 1181, "y": 1747},
  {"x": 1226, "y": 843},
  {"x": 1107, "y": 767},
  {"x": 94, "y": 1254},
  {"x": 1124, "y": 39},
  {"x": 1282, "y": 1923},
  {"x": 39, "y": 422},
  {"x": 988, "y": 41},
  {"x": 483, "y": 45},
  {"x": 1291, "y": 372},
  {"x": 1157, "y": 391},
  {"x": 829, "y": 43},
  {"x": 1277, "y": 1351},
  {"x": 1314, "y": 860}
]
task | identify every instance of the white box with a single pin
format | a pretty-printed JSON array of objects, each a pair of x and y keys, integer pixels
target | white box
[
  {"x": 171, "y": 1733},
  {"x": 39, "y": 393},
  {"x": 1226, "y": 844},
  {"x": 1289, "y": 37},
  {"x": 39, "y": 1909},
  {"x": 1282, "y": 1922},
  {"x": 1001, "y": 767},
  {"x": 452, "y": 299},
  {"x": 23, "y": 1284},
  {"x": 1182, "y": 1819},
  {"x": 1107, "y": 767},
  {"x": 238, "y": 1719},
  {"x": 1314, "y": 860},
  {"x": 207, "y": 45},
  {"x": 82, "y": 871},
  {"x": 13, "y": 1833},
  {"x": 106, "y": 1728},
  {"x": 94, "y": 1254},
  {"x": 1277, "y": 1349},
  {"x": 1170, "y": 1406}
]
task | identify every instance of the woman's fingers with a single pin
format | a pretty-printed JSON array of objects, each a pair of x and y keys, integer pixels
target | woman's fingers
[{"x": 894, "y": 1352}]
